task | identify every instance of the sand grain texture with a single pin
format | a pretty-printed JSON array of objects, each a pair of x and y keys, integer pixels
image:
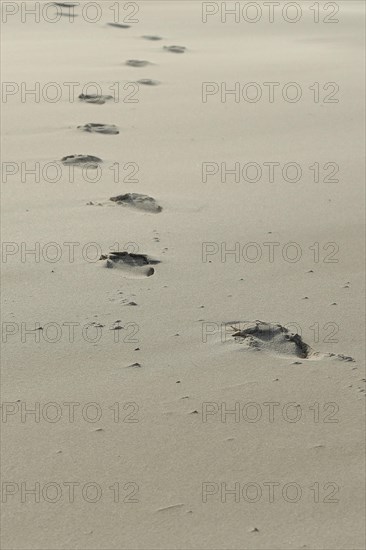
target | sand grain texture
[{"x": 175, "y": 351}]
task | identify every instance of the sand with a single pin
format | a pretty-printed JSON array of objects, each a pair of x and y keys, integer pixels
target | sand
[{"x": 146, "y": 352}]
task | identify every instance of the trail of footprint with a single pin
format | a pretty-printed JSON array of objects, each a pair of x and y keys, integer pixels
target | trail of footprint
[
  {"x": 132, "y": 265},
  {"x": 140, "y": 202},
  {"x": 278, "y": 340},
  {"x": 99, "y": 128}
]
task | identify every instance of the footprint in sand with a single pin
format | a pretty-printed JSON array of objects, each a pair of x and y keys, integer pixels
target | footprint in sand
[
  {"x": 81, "y": 160},
  {"x": 137, "y": 63},
  {"x": 140, "y": 202},
  {"x": 148, "y": 82},
  {"x": 153, "y": 37},
  {"x": 276, "y": 339},
  {"x": 98, "y": 128},
  {"x": 119, "y": 25},
  {"x": 132, "y": 265},
  {"x": 96, "y": 99},
  {"x": 175, "y": 49},
  {"x": 65, "y": 4}
]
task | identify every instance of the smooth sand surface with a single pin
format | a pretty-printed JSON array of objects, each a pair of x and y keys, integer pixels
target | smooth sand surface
[{"x": 174, "y": 352}]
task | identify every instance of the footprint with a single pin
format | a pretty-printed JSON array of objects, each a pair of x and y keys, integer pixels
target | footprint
[
  {"x": 94, "y": 98},
  {"x": 81, "y": 160},
  {"x": 148, "y": 82},
  {"x": 119, "y": 25},
  {"x": 65, "y": 4},
  {"x": 275, "y": 338},
  {"x": 152, "y": 37},
  {"x": 140, "y": 202},
  {"x": 129, "y": 258},
  {"x": 133, "y": 265},
  {"x": 137, "y": 63},
  {"x": 98, "y": 128},
  {"x": 175, "y": 49}
]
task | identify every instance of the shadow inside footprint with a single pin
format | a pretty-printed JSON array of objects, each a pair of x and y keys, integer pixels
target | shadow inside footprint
[
  {"x": 119, "y": 25},
  {"x": 81, "y": 160},
  {"x": 175, "y": 49},
  {"x": 129, "y": 258},
  {"x": 137, "y": 63},
  {"x": 132, "y": 265},
  {"x": 135, "y": 200},
  {"x": 271, "y": 337},
  {"x": 94, "y": 98},
  {"x": 278, "y": 340},
  {"x": 98, "y": 128}
]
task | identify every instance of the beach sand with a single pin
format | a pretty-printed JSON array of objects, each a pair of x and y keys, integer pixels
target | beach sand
[{"x": 145, "y": 350}]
